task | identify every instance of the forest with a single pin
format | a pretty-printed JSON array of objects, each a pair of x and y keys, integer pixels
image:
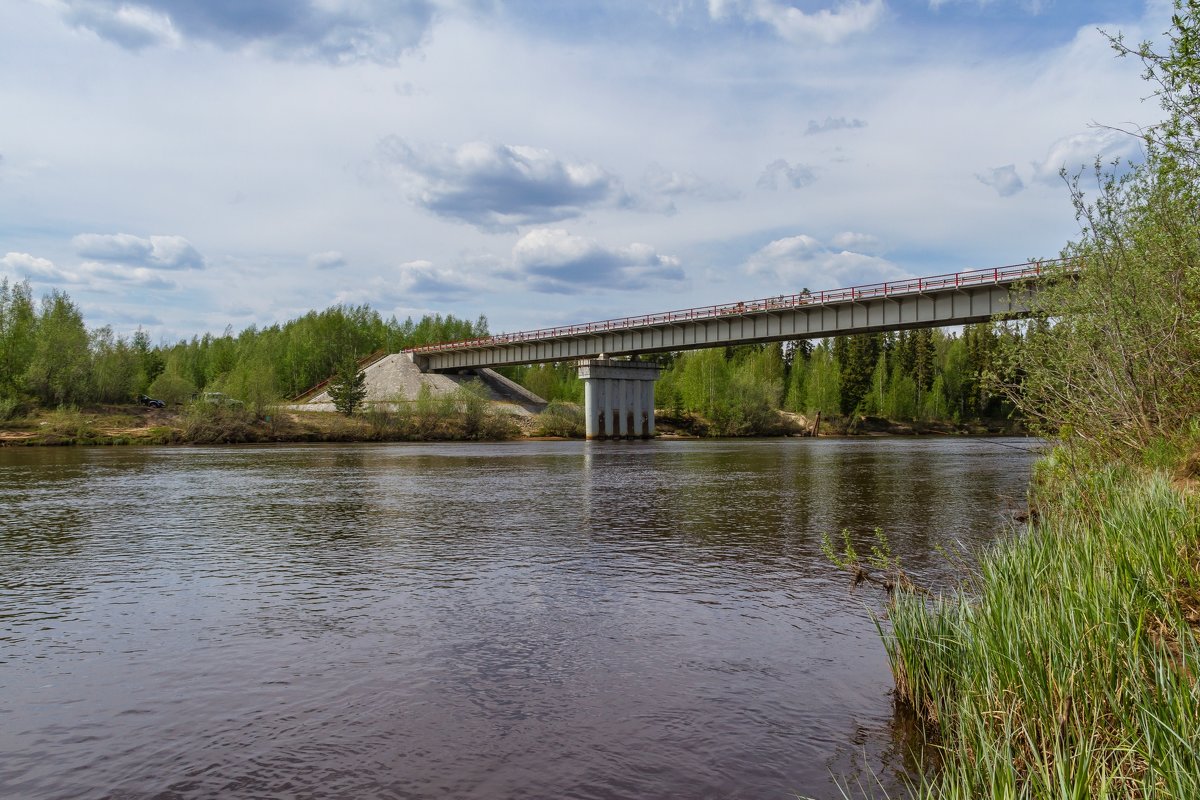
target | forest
[
  {"x": 929, "y": 374},
  {"x": 50, "y": 358}
]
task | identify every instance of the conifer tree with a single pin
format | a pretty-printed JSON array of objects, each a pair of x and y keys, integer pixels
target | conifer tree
[
  {"x": 859, "y": 355},
  {"x": 349, "y": 387}
]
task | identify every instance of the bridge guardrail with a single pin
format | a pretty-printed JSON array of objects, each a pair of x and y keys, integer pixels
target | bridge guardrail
[{"x": 905, "y": 286}]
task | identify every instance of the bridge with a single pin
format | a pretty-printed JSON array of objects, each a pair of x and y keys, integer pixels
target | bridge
[{"x": 619, "y": 395}]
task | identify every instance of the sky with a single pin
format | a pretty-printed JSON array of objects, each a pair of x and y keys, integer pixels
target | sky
[{"x": 184, "y": 166}]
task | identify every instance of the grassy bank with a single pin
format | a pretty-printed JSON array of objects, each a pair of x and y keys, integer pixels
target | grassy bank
[
  {"x": 1069, "y": 668},
  {"x": 460, "y": 417},
  {"x": 210, "y": 424}
]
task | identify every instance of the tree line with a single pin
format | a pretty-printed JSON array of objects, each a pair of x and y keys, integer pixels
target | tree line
[
  {"x": 49, "y": 357},
  {"x": 928, "y": 374}
]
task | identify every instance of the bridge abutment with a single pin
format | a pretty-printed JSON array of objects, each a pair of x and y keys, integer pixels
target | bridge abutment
[{"x": 618, "y": 398}]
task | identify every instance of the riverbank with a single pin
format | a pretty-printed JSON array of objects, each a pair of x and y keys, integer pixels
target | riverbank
[
  {"x": 1068, "y": 666},
  {"x": 108, "y": 425},
  {"x": 207, "y": 424}
]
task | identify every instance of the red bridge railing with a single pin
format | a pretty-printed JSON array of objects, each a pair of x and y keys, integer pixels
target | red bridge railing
[{"x": 904, "y": 286}]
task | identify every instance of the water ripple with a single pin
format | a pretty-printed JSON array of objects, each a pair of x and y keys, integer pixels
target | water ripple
[{"x": 474, "y": 621}]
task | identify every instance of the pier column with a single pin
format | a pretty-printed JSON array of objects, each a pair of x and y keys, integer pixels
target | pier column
[{"x": 618, "y": 398}]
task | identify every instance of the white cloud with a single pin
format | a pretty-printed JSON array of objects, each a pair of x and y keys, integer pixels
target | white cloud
[
  {"x": 139, "y": 317},
  {"x": 662, "y": 181},
  {"x": 1004, "y": 180},
  {"x": 1031, "y": 6},
  {"x": 802, "y": 260},
  {"x": 155, "y": 252},
  {"x": 832, "y": 124},
  {"x": 92, "y": 271},
  {"x": 661, "y": 103},
  {"x": 1080, "y": 151},
  {"x": 90, "y": 274},
  {"x": 130, "y": 26},
  {"x": 333, "y": 31},
  {"x": 553, "y": 260},
  {"x": 329, "y": 259},
  {"x": 497, "y": 186},
  {"x": 863, "y": 242},
  {"x": 24, "y": 265},
  {"x": 828, "y": 25},
  {"x": 424, "y": 278},
  {"x": 780, "y": 173}
]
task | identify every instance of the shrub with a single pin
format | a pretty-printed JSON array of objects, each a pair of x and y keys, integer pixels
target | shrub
[
  {"x": 211, "y": 423},
  {"x": 561, "y": 419},
  {"x": 172, "y": 388},
  {"x": 10, "y": 407}
]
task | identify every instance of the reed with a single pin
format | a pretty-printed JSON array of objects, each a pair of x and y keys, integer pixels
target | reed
[{"x": 1069, "y": 668}]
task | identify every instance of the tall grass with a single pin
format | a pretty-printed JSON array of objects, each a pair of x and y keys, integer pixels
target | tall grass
[
  {"x": 1069, "y": 670},
  {"x": 464, "y": 414},
  {"x": 560, "y": 418}
]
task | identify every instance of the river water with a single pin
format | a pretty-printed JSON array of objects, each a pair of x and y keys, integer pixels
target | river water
[{"x": 524, "y": 620}]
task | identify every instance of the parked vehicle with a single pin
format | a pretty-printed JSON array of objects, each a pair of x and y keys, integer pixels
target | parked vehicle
[
  {"x": 151, "y": 402},
  {"x": 219, "y": 399}
]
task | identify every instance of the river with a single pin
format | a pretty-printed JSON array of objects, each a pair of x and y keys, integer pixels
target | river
[{"x": 519, "y": 620}]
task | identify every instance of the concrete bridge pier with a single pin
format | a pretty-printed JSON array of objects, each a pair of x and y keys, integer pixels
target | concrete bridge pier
[{"x": 618, "y": 398}]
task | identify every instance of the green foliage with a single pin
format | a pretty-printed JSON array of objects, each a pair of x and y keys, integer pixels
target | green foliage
[
  {"x": 1072, "y": 670},
  {"x": 49, "y": 356},
  {"x": 562, "y": 419},
  {"x": 901, "y": 398},
  {"x": 752, "y": 405},
  {"x": 60, "y": 370},
  {"x": 846, "y": 557},
  {"x": 1117, "y": 360},
  {"x": 150, "y": 361},
  {"x": 737, "y": 390},
  {"x": 550, "y": 382},
  {"x": 388, "y": 420},
  {"x": 1113, "y": 357},
  {"x": 68, "y": 422},
  {"x": 472, "y": 398},
  {"x": 428, "y": 412},
  {"x": 305, "y": 351},
  {"x": 822, "y": 386},
  {"x": 172, "y": 388},
  {"x": 18, "y": 320},
  {"x": 1175, "y": 76},
  {"x": 219, "y": 423},
  {"x": 10, "y": 407},
  {"x": 116, "y": 368},
  {"x": 252, "y": 380},
  {"x": 921, "y": 375},
  {"x": 349, "y": 386},
  {"x": 462, "y": 414},
  {"x": 857, "y": 356}
]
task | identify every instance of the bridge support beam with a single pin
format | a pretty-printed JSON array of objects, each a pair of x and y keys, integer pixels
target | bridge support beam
[{"x": 618, "y": 398}]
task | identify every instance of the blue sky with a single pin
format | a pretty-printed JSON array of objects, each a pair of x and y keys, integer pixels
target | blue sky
[{"x": 184, "y": 166}]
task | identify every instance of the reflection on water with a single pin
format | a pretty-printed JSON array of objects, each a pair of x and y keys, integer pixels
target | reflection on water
[{"x": 554, "y": 619}]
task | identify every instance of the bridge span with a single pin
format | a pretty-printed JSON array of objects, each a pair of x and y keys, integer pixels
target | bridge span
[
  {"x": 953, "y": 299},
  {"x": 619, "y": 395}
]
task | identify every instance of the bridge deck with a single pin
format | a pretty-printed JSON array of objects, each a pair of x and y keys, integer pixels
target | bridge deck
[{"x": 952, "y": 299}]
